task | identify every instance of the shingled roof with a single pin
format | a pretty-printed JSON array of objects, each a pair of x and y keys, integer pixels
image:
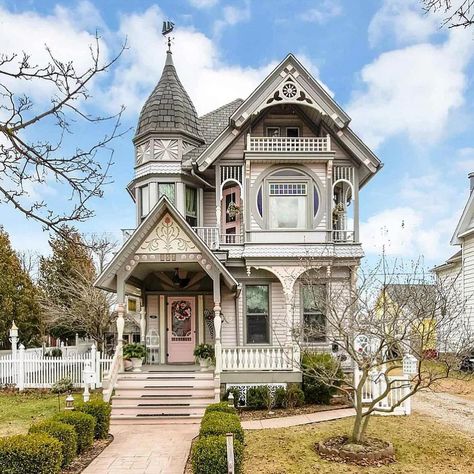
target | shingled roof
[
  {"x": 212, "y": 124},
  {"x": 169, "y": 108}
]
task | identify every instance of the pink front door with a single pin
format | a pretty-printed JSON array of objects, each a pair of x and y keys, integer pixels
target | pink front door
[{"x": 181, "y": 329}]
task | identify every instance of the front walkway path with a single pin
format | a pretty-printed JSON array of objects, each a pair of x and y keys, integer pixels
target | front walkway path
[
  {"x": 286, "y": 421},
  {"x": 145, "y": 449}
]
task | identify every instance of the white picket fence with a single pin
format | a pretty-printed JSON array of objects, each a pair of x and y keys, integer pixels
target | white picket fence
[
  {"x": 376, "y": 384},
  {"x": 33, "y": 370}
]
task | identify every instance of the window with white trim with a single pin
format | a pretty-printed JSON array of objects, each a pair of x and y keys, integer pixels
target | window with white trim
[
  {"x": 314, "y": 319},
  {"x": 287, "y": 205},
  {"x": 257, "y": 314}
]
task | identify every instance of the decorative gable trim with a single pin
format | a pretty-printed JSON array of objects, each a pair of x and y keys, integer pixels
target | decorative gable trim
[
  {"x": 164, "y": 231},
  {"x": 290, "y": 82}
]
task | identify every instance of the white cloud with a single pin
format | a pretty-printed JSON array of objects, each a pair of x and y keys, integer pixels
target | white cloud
[
  {"x": 231, "y": 15},
  {"x": 422, "y": 223},
  {"x": 326, "y": 10},
  {"x": 403, "y": 21},
  {"x": 64, "y": 32},
  {"x": 412, "y": 90},
  {"x": 203, "y": 3},
  {"x": 209, "y": 80}
]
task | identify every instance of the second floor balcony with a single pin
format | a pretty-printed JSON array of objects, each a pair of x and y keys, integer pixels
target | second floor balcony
[{"x": 288, "y": 144}]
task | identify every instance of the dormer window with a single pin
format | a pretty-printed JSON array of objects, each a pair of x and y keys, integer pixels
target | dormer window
[{"x": 292, "y": 132}]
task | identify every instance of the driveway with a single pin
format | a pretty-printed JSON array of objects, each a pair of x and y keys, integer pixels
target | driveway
[
  {"x": 449, "y": 409},
  {"x": 145, "y": 449}
]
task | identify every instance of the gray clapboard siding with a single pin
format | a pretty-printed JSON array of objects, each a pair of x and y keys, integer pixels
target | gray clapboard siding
[{"x": 209, "y": 204}]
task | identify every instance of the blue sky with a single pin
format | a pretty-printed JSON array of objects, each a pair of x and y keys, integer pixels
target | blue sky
[{"x": 407, "y": 85}]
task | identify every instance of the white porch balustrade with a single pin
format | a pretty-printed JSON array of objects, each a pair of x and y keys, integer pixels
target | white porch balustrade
[
  {"x": 214, "y": 238},
  {"x": 258, "y": 358},
  {"x": 288, "y": 144}
]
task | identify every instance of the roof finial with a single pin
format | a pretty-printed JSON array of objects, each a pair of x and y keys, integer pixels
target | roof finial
[{"x": 168, "y": 27}]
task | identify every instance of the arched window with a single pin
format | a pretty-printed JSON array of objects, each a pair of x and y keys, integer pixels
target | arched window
[{"x": 288, "y": 199}]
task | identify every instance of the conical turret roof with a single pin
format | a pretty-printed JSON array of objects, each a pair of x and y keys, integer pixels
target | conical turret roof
[{"x": 169, "y": 108}]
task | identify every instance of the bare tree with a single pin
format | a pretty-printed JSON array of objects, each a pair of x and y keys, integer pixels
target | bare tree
[
  {"x": 103, "y": 246},
  {"x": 393, "y": 311},
  {"x": 458, "y": 13},
  {"x": 26, "y": 162},
  {"x": 89, "y": 311}
]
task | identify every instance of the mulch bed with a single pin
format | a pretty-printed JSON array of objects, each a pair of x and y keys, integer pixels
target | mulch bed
[
  {"x": 373, "y": 452},
  {"x": 84, "y": 459},
  {"x": 253, "y": 415}
]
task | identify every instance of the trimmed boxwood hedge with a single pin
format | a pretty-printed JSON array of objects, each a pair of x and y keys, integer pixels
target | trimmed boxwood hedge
[
  {"x": 84, "y": 425},
  {"x": 36, "y": 453},
  {"x": 100, "y": 410},
  {"x": 65, "y": 434},
  {"x": 218, "y": 423},
  {"x": 221, "y": 407},
  {"x": 209, "y": 455}
]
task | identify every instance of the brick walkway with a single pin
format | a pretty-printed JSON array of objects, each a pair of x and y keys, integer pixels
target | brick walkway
[
  {"x": 164, "y": 449},
  {"x": 146, "y": 449}
]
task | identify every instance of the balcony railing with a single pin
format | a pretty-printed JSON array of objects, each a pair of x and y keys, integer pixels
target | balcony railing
[
  {"x": 343, "y": 236},
  {"x": 289, "y": 144},
  {"x": 260, "y": 358},
  {"x": 210, "y": 235}
]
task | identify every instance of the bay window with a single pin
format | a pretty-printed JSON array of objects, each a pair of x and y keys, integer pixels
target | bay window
[{"x": 257, "y": 314}]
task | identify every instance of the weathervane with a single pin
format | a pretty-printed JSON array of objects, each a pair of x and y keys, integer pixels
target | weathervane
[{"x": 168, "y": 27}]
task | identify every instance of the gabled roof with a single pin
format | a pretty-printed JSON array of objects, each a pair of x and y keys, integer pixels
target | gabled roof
[
  {"x": 466, "y": 222},
  {"x": 107, "y": 279},
  {"x": 212, "y": 124},
  {"x": 169, "y": 107},
  {"x": 451, "y": 262},
  {"x": 309, "y": 93}
]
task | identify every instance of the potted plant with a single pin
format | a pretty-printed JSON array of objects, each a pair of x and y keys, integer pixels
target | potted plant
[
  {"x": 205, "y": 354},
  {"x": 136, "y": 353}
]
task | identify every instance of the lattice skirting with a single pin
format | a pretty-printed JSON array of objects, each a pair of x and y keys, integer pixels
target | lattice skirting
[{"x": 245, "y": 386}]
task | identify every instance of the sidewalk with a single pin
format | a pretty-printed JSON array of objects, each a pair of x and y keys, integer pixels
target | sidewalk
[{"x": 286, "y": 421}]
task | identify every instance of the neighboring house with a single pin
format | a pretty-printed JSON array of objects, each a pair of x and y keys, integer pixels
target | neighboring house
[
  {"x": 229, "y": 205},
  {"x": 458, "y": 271},
  {"x": 412, "y": 308}
]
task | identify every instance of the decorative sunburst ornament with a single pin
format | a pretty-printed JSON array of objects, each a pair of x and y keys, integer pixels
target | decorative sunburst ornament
[
  {"x": 143, "y": 153},
  {"x": 289, "y": 90},
  {"x": 166, "y": 150}
]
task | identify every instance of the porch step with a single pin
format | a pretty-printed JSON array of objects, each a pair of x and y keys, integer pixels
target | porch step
[
  {"x": 163, "y": 400},
  {"x": 154, "y": 420},
  {"x": 162, "y": 397}
]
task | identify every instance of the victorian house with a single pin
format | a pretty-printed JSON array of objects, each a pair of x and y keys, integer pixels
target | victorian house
[{"x": 230, "y": 208}]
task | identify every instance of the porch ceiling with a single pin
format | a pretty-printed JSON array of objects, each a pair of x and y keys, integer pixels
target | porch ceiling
[{"x": 143, "y": 269}]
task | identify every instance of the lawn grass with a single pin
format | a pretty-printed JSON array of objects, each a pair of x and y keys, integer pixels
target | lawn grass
[
  {"x": 19, "y": 410},
  {"x": 422, "y": 446}
]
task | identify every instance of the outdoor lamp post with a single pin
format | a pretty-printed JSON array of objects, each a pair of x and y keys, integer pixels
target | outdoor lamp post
[{"x": 230, "y": 399}]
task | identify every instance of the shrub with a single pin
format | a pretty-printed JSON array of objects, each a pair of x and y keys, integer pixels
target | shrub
[
  {"x": 56, "y": 352},
  {"x": 235, "y": 391},
  {"x": 294, "y": 397},
  {"x": 279, "y": 397},
  {"x": 221, "y": 407},
  {"x": 134, "y": 351},
  {"x": 216, "y": 423},
  {"x": 204, "y": 351},
  {"x": 258, "y": 397},
  {"x": 100, "y": 410},
  {"x": 62, "y": 386},
  {"x": 65, "y": 434},
  {"x": 84, "y": 425},
  {"x": 35, "y": 453},
  {"x": 209, "y": 455},
  {"x": 314, "y": 365}
]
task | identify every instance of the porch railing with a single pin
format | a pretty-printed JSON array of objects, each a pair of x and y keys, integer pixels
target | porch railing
[
  {"x": 289, "y": 144},
  {"x": 259, "y": 358}
]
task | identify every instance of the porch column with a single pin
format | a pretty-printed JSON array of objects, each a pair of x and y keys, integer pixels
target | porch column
[
  {"x": 217, "y": 323},
  {"x": 120, "y": 328},
  {"x": 142, "y": 325}
]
